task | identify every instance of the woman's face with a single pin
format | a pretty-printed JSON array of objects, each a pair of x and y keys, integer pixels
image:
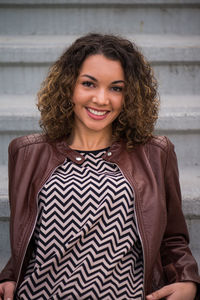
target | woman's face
[{"x": 98, "y": 94}]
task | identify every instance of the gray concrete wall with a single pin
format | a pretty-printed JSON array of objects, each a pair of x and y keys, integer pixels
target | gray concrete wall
[{"x": 33, "y": 33}]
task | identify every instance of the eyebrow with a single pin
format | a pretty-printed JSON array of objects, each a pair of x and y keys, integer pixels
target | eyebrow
[{"x": 94, "y": 79}]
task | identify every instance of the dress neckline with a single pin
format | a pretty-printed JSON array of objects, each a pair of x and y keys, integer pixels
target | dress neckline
[{"x": 92, "y": 151}]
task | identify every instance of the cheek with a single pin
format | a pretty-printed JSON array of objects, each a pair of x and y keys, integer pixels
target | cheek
[
  {"x": 76, "y": 96},
  {"x": 79, "y": 97},
  {"x": 119, "y": 105}
]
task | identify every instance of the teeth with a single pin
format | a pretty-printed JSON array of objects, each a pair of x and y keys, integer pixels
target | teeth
[{"x": 98, "y": 113}]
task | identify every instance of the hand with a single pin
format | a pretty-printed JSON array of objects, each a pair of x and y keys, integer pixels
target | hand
[
  {"x": 175, "y": 291},
  {"x": 7, "y": 290}
]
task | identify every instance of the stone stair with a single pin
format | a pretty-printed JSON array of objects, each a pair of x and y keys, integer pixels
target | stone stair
[{"x": 33, "y": 33}]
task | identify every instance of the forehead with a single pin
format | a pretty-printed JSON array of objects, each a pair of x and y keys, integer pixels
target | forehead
[{"x": 100, "y": 65}]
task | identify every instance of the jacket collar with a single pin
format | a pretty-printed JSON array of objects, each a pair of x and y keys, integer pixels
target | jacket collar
[{"x": 112, "y": 155}]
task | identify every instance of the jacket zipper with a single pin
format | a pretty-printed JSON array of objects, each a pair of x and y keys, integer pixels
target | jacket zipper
[
  {"x": 51, "y": 173},
  {"x": 136, "y": 219}
]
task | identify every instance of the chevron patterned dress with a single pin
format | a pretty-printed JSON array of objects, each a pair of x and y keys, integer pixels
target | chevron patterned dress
[{"x": 86, "y": 240}]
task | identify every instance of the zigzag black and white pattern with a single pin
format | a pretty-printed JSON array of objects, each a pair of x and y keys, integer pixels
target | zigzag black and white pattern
[{"x": 86, "y": 241}]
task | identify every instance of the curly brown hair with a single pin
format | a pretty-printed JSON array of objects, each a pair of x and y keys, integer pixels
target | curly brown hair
[{"x": 136, "y": 122}]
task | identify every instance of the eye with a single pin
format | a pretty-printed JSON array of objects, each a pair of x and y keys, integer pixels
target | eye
[
  {"x": 117, "y": 88},
  {"x": 88, "y": 83}
]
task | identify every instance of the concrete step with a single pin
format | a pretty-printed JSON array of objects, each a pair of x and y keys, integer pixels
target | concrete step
[
  {"x": 190, "y": 183},
  {"x": 179, "y": 113},
  {"x": 24, "y": 61},
  {"x": 179, "y": 119},
  {"x": 18, "y": 116},
  {"x": 77, "y": 17},
  {"x": 99, "y": 2},
  {"x": 46, "y": 49}
]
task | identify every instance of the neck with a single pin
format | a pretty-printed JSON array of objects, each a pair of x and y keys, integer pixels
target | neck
[{"x": 89, "y": 142}]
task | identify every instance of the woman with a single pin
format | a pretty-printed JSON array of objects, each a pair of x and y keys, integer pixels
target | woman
[{"x": 95, "y": 200}]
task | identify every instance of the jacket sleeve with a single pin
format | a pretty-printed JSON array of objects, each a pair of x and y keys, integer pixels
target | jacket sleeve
[
  {"x": 7, "y": 274},
  {"x": 178, "y": 262}
]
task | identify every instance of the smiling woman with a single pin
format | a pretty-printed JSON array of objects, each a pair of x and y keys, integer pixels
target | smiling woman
[{"x": 95, "y": 199}]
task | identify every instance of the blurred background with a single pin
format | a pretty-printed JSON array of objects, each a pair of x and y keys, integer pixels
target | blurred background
[{"x": 33, "y": 33}]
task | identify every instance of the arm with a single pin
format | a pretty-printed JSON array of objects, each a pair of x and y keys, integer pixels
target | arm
[
  {"x": 178, "y": 263},
  {"x": 177, "y": 260},
  {"x": 7, "y": 277}
]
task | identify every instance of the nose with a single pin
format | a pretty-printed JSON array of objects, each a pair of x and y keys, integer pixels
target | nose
[{"x": 100, "y": 97}]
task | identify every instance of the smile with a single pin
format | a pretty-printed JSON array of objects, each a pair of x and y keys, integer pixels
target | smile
[{"x": 97, "y": 112}]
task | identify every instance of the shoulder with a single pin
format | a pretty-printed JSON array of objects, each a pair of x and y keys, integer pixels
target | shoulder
[
  {"x": 156, "y": 143},
  {"x": 23, "y": 142},
  {"x": 159, "y": 149},
  {"x": 162, "y": 143}
]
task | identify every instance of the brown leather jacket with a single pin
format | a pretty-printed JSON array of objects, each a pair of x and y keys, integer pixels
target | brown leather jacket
[{"x": 152, "y": 171}]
